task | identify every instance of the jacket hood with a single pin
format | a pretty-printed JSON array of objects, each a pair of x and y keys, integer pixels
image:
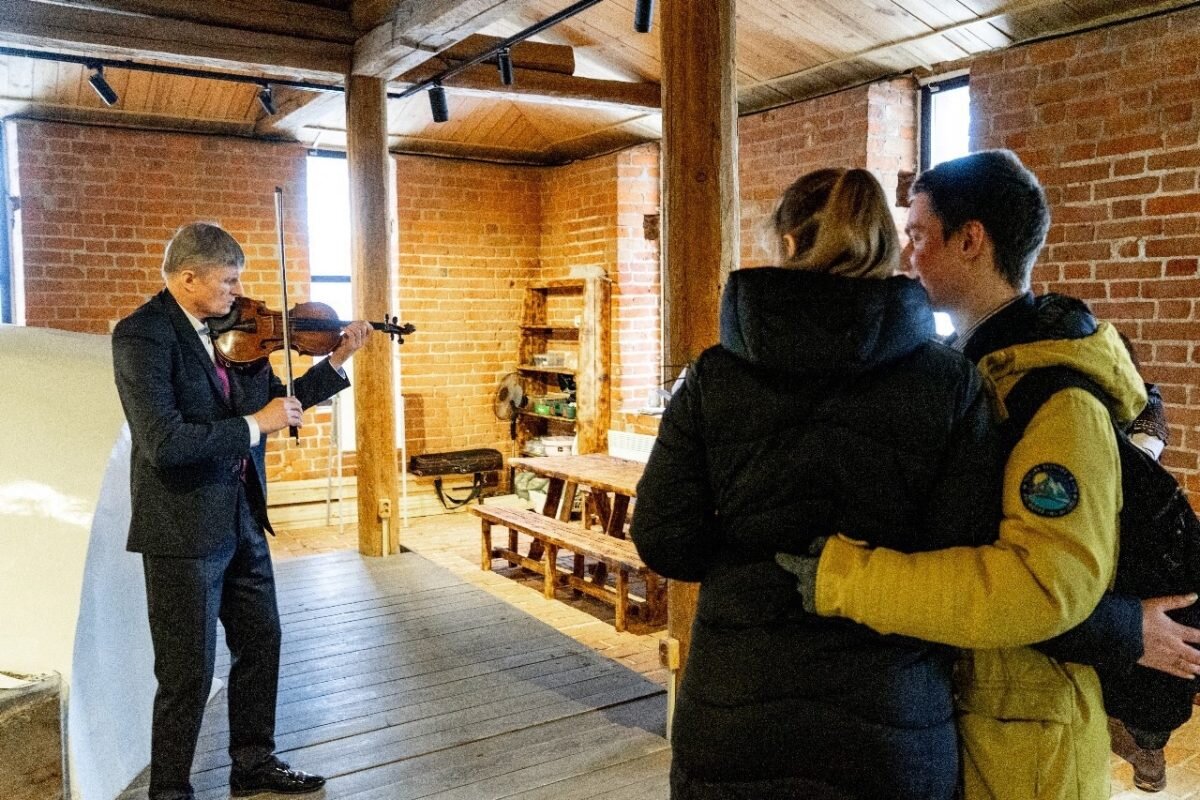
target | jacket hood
[
  {"x": 798, "y": 321},
  {"x": 1100, "y": 355}
]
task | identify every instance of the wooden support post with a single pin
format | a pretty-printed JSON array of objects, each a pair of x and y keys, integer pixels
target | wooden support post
[
  {"x": 592, "y": 380},
  {"x": 700, "y": 200},
  {"x": 374, "y": 396}
]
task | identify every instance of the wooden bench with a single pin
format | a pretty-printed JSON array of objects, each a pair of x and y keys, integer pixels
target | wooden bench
[{"x": 618, "y": 554}]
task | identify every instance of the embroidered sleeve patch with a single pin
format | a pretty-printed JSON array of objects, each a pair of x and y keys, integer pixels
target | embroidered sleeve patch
[{"x": 1050, "y": 490}]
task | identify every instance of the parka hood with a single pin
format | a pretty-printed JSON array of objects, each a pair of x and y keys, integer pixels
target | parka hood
[
  {"x": 1100, "y": 355},
  {"x": 797, "y": 321}
]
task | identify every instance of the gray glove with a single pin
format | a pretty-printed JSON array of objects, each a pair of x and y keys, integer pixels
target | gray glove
[{"x": 805, "y": 569}]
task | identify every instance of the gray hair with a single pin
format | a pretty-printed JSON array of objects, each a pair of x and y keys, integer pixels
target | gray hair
[{"x": 199, "y": 246}]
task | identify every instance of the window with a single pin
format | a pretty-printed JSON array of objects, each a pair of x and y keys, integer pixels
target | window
[
  {"x": 7, "y": 218},
  {"x": 945, "y": 134},
  {"x": 329, "y": 231},
  {"x": 329, "y": 258},
  {"x": 945, "y": 120}
]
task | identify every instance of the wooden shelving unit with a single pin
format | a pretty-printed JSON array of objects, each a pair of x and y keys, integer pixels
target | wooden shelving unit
[{"x": 570, "y": 316}]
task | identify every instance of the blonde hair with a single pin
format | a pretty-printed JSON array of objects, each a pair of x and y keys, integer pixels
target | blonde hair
[{"x": 840, "y": 222}]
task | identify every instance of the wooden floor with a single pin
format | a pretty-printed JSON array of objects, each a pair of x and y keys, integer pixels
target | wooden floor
[
  {"x": 451, "y": 542},
  {"x": 401, "y": 680}
]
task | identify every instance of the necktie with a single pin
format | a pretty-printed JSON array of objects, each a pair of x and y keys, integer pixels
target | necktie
[
  {"x": 222, "y": 371},
  {"x": 223, "y": 375}
]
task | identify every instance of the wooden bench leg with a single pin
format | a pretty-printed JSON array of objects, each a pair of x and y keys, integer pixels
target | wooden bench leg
[
  {"x": 578, "y": 573},
  {"x": 622, "y": 599},
  {"x": 485, "y": 561},
  {"x": 512, "y": 543},
  {"x": 550, "y": 570}
]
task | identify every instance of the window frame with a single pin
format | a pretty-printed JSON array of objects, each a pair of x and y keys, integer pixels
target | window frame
[
  {"x": 928, "y": 90},
  {"x": 337, "y": 154},
  {"x": 6, "y": 231}
]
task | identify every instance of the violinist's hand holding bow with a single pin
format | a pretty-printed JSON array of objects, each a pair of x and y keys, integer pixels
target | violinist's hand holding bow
[
  {"x": 354, "y": 336},
  {"x": 278, "y": 414}
]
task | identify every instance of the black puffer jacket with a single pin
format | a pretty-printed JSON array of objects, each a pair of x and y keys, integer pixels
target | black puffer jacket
[{"x": 826, "y": 408}]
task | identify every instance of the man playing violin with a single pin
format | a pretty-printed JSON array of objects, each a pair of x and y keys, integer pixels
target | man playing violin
[{"x": 199, "y": 510}]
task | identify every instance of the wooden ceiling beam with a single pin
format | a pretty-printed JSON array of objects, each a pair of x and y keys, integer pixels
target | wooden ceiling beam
[
  {"x": 11, "y": 107},
  {"x": 109, "y": 34},
  {"x": 284, "y": 17},
  {"x": 415, "y": 30},
  {"x": 297, "y": 109},
  {"x": 540, "y": 56},
  {"x": 366, "y": 14},
  {"x": 535, "y": 86}
]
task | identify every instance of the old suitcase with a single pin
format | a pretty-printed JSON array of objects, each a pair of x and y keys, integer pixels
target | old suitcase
[{"x": 457, "y": 462}]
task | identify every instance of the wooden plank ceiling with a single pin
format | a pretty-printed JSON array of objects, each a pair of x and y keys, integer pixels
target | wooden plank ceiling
[{"x": 595, "y": 91}]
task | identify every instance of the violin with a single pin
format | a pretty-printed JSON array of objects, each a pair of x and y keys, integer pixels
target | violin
[{"x": 250, "y": 332}]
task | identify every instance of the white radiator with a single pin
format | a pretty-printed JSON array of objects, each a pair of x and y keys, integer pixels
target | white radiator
[{"x": 633, "y": 446}]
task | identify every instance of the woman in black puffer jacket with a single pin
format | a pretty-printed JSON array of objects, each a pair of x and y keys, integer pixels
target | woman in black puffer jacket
[{"x": 826, "y": 408}]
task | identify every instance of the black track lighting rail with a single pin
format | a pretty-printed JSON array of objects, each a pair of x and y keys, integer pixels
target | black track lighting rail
[
  {"x": 502, "y": 52},
  {"x": 165, "y": 69},
  {"x": 506, "y": 44},
  {"x": 643, "y": 14}
]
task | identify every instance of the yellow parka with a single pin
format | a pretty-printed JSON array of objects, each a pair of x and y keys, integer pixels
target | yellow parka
[{"x": 1030, "y": 727}]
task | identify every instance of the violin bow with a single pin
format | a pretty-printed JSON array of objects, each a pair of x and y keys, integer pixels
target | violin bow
[{"x": 287, "y": 326}]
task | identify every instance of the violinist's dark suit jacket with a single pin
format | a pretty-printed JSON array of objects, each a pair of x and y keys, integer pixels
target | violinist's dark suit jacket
[
  {"x": 188, "y": 441},
  {"x": 198, "y": 520}
]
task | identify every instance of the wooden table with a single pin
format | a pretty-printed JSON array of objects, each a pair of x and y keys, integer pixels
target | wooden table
[{"x": 598, "y": 472}]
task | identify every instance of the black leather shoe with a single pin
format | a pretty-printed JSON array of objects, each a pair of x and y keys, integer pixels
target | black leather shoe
[{"x": 272, "y": 776}]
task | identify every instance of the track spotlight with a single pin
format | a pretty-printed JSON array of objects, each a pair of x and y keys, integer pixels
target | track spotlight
[
  {"x": 504, "y": 59},
  {"x": 266, "y": 100},
  {"x": 643, "y": 16},
  {"x": 102, "y": 87},
  {"x": 437, "y": 103}
]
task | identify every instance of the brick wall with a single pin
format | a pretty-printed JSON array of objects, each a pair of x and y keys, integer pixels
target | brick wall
[
  {"x": 99, "y": 205},
  {"x": 778, "y": 146},
  {"x": 1110, "y": 122},
  {"x": 637, "y": 311},
  {"x": 872, "y": 127},
  {"x": 579, "y": 218},
  {"x": 592, "y": 217},
  {"x": 892, "y": 135},
  {"x": 469, "y": 237}
]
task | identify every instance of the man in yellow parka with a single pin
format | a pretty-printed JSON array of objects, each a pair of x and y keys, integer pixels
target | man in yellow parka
[{"x": 1030, "y": 726}]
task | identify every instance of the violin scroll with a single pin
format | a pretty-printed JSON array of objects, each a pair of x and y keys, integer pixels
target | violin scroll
[{"x": 395, "y": 331}]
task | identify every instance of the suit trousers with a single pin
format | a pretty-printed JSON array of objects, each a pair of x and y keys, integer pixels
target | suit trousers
[{"x": 185, "y": 598}]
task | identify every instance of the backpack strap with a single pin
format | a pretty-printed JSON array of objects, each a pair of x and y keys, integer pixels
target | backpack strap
[
  {"x": 449, "y": 501},
  {"x": 1037, "y": 386}
]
